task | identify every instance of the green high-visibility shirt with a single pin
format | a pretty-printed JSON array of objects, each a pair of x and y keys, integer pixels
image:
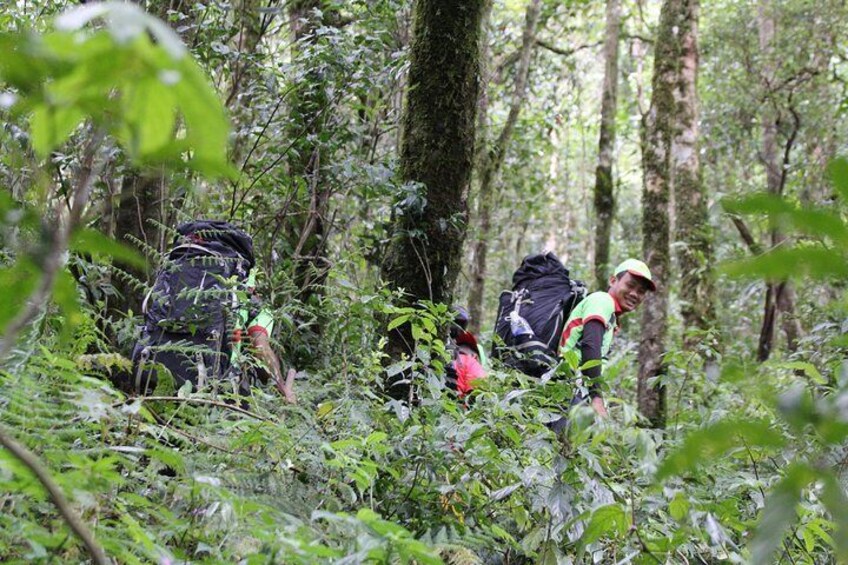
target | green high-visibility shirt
[
  {"x": 599, "y": 306},
  {"x": 252, "y": 319}
]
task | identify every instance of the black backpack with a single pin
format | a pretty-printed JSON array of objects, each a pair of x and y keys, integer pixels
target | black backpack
[
  {"x": 188, "y": 313},
  {"x": 544, "y": 295}
]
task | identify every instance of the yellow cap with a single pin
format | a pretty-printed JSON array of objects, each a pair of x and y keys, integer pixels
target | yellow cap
[{"x": 638, "y": 269}]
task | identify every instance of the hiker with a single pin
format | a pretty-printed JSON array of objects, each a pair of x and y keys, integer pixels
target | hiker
[
  {"x": 593, "y": 322},
  {"x": 468, "y": 359},
  {"x": 201, "y": 312},
  {"x": 532, "y": 315},
  {"x": 259, "y": 360}
]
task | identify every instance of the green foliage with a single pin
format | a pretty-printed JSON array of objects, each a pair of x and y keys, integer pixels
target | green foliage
[
  {"x": 752, "y": 469},
  {"x": 121, "y": 80}
]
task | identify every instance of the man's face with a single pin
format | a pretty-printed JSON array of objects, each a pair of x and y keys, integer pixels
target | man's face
[{"x": 628, "y": 291}]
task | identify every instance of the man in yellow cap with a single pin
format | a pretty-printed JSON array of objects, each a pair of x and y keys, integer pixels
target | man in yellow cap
[{"x": 590, "y": 328}]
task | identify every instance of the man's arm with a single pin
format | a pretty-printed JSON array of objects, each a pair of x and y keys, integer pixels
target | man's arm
[
  {"x": 265, "y": 354},
  {"x": 590, "y": 350}
]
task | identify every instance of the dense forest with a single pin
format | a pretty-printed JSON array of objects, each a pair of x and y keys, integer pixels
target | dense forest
[{"x": 390, "y": 163}]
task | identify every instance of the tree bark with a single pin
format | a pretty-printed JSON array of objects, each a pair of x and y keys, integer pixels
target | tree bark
[
  {"x": 437, "y": 151},
  {"x": 692, "y": 221},
  {"x": 139, "y": 216},
  {"x": 491, "y": 166},
  {"x": 604, "y": 198},
  {"x": 661, "y": 126}
]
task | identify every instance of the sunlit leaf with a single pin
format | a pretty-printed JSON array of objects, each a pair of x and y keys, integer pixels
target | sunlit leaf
[
  {"x": 125, "y": 21},
  {"x": 50, "y": 125},
  {"x": 150, "y": 109},
  {"x": 809, "y": 369},
  {"x": 397, "y": 322},
  {"x": 679, "y": 507},
  {"x": 95, "y": 243}
]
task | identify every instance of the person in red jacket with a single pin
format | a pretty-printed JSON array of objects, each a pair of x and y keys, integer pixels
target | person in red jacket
[{"x": 467, "y": 364}]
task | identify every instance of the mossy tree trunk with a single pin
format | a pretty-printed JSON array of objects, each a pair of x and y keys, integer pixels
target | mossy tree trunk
[
  {"x": 437, "y": 152},
  {"x": 604, "y": 197},
  {"x": 141, "y": 210},
  {"x": 697, "y": 292},
  {"x": 491, "y": 163},
  {"x": 661, "y": 127}
]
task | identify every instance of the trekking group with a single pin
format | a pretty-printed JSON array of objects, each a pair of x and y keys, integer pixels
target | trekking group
[{"x": 206, "y": 325}]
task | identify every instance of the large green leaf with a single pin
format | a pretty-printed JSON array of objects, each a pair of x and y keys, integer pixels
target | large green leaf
[
  {"x": 121, "y": 80},
  {"x": 836, "y": 503},
  {"x": 707, "y": 443},
  {"x": 95, "y": 243},
  {"x": 782, "y": 213},
  {"x": 611, "y": 520},
  {"x": 838, "y": 169},
  {"x": 779, "y": 512},
  {"x": 50, "y": 125},
  {"x": 813, "y": 261}
]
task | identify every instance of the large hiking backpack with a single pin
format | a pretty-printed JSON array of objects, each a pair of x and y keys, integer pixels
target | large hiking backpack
[
  {"x": 543, "y": 294},
  {"x": 188, "y": 314}
]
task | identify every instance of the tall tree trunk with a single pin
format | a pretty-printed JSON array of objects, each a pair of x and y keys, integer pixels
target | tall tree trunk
[
  {"x": 492, "y": 165},
  {"x": 661, "y": 125},
  {"x": 437, "y": 151},
  {"x": 692, "y": 221},
  {"x": 780, "y": 297},
  {"x": 604, "y": 199},
  {"x": 481, "y": 158},
  {"x": 141, "y": 209}
]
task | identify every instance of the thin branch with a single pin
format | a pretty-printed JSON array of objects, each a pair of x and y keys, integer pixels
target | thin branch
[
  {"x": 164, "y": 423},
  {"x": 636, "y": 36},
  {"x": 790, "y": 141},
  {"x": 234, "y": 208},
  {"x": 412, "y": 486},
  {"x": 746, "y": 235},
  {"x": 55, "y": 258},
  {"x": 32, "y": 463},
  {"x": 513, "y": 57},
  {"x": 566, "y": 52},
  {"x": 205, "y": 401}
]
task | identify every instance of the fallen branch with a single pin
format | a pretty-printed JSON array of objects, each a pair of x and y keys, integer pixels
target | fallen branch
[{"x": 29, "y": 459}]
